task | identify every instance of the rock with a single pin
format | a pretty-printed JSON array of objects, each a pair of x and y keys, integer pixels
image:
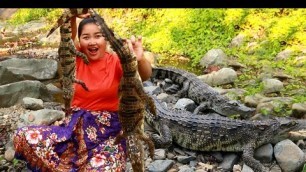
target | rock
[
  {"x": 32, "y": 103},
  {"x": 228, "y": 162},
  {"x": 236, "y": 65},
  {"x": 300, "y": 61},
  {"x": 159, "y": 154},
  {"x": 282, "y": 76},
  {"x": 160, "y": 165},
  {"x": 11, "y": 94},
  {"x": 9, "y": 154},
  {"x": 152, "y": 90},
  {"x": 213, "y": 57},
  {"x": 298, "y": 110},
  {"x": 221, "y": 77},
  {"x": 53, "y": 39},
  {"x": 274, "y": 107},
  {"x": 272, "y": 86},
  {"x": 6, "y": 13},
  {"x": 185, "y": 104},
  {"x": 237, "y": 41},
  {"x": 264, "y": 153},
  {"x": 30, "y": 27},
  {"x": 32, "y": 69},
  {"x": 8, "y": 77},
  {"x": 283, "y": 55},
  {"x": 289, "y": 156},
  {"x": 185, "y": 159},
  {"x": 253, "y": 100},
  {"x": 42, "y": 117}
]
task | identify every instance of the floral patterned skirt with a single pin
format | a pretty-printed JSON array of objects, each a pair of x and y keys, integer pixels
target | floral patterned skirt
[{"x": 84, "y": 142}]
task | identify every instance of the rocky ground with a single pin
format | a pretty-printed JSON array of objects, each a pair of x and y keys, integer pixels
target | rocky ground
[
  {"x": 173, "y": 159},
  {"x": 32, "y": 111}
]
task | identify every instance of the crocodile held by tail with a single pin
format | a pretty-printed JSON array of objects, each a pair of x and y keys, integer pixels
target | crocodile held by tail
[
  {"x": 132, "y": 99},
  {"x": 67, "y": 53},
  {"x": 204, "y": 133}
]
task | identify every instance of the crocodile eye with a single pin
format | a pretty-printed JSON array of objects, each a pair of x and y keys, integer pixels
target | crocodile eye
[
  {"x": 293, "y": 123},
  {"x": 234, "y": 103}
]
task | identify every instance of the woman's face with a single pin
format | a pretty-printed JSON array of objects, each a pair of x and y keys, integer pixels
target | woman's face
[{"x": 92, "y": 42}]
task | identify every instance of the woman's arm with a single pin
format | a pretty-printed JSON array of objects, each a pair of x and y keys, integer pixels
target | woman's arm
[
  {"x": 74, "y": 31},
  {"x": 144, "y": 69},
  {"x": 144, "y": 66}
]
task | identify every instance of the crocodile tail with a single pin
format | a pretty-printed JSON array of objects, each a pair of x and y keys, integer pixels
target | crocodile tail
[
  {"x": 151, "y": 105},
  {"x": 63, "y": 18},
  {"x": 135, "y": 153},
  {"x": 68, "y": 13}
]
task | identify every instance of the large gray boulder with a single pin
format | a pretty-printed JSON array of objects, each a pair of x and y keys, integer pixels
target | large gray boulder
[
  {"x": 7, "y": 76},
  {"x": 32, "y": 69},
  {"x": 11, "y": 94}
]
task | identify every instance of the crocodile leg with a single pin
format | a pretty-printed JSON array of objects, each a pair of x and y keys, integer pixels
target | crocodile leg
[
  {"x": 164, "y": 140},
  {"x": 74, "y": 51},
  {"x": 248, "y": 157},
  {"x": 203, "y": 106},
  {"x": 150, "y": 103},
  {"x": 183, "y": 92},
  {"x": 142, "y": 136},
  {"x": 81, "y": 83}
]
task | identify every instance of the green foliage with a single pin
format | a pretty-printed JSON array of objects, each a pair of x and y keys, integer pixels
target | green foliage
[
  {"x": 53, "y": 15},
  {"x": 190, "y": 33},
  {"x": 24, "y": 15},
  {"x": 264, "y": 111},
  {"x": 304, "y": 168}
]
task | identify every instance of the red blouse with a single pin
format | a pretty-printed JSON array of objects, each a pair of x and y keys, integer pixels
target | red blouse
[{"x": 102, "y": 77}]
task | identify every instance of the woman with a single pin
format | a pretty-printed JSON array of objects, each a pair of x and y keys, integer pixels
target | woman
[{"x": 85, "y": 141}]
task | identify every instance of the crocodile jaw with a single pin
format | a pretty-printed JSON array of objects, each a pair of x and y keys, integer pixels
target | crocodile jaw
[{"x": 233, "y": 107}]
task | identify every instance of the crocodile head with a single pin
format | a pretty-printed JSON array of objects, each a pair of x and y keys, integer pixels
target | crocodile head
[
  {"x": 233, "y": 107},
  {"x": 293, "y": 129}
]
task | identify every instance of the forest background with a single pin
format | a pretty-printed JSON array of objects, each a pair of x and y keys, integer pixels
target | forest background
[{"x": 191, "y": 33}]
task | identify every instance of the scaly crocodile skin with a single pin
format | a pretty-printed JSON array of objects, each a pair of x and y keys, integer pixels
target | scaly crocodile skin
[
  {"x": 133, "y": 99},
  {"x": 206, "y": 133},
  {"x": 207, "y": 98},
  {"x": 67, "y": 53}
]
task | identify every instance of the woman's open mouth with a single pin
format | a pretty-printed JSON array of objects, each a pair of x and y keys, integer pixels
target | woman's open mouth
[{"x": 93, "y": 51}]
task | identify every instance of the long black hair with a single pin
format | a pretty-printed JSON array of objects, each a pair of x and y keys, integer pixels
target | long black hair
[{"x": 83, "y": 23}]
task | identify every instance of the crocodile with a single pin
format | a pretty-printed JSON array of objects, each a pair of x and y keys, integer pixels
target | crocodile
[
  {"x": 203, "y": 94},
  {"x": 211, "y": 133},
  {"x": 67, "y": 54},
  {"x": 132, "y": 99}
]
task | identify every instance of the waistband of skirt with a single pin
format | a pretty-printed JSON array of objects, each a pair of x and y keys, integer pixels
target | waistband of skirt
[{"x": 94, "y": 112}]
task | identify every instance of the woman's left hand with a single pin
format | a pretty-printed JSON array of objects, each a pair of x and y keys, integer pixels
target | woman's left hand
[{"x": 135, "y": 45}]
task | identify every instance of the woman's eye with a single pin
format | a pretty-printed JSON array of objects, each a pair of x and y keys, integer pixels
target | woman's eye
[{"x": 98, "y": 36}]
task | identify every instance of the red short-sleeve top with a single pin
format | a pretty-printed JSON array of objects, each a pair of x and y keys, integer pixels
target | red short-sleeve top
[{"x": 102, "y": 78}]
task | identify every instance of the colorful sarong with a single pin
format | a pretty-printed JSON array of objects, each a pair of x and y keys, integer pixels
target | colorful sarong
[{"x": 84, "y": 142}]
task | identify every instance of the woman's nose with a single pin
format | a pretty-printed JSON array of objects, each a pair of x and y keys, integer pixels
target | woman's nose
[{"x": 92, "y": 42}]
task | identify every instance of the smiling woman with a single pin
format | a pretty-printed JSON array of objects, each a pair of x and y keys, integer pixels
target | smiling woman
[
  {"x": 92, "y": 43},
  {"x": 85, "y": 140}
]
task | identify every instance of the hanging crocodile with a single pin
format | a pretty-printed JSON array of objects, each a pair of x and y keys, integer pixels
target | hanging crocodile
[
  {"x": 132, "y": 99},
  {"x": 67, "y": 53},
  {"x": 201, "y": 93},
  {"x": 205, "y": 133}
]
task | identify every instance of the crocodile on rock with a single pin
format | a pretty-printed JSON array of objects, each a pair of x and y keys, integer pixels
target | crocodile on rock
[
  {"x": 206, "y": 133},
  {"x": 203, "y": 94}
]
